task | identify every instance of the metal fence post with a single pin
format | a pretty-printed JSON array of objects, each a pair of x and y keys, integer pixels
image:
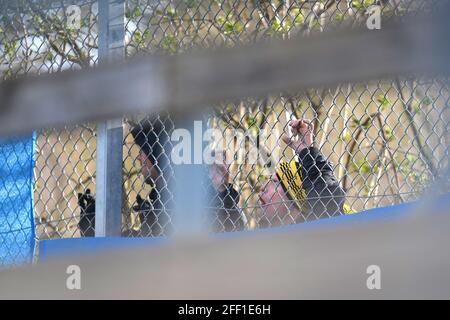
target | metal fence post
[
  {"x": 111, "y": 34},
  {"x": 190, "y": 197}
]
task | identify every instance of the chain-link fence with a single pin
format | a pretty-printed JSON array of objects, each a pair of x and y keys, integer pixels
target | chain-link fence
[
  {"x": 379, "y": 143},
  {"x": 45, "y": 37},
  {"x": 386, "y": 139}
]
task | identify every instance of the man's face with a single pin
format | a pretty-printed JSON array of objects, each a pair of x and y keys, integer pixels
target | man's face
[
  {"x": 274, "y": 202},
  {"x": 148, "y": 170}
]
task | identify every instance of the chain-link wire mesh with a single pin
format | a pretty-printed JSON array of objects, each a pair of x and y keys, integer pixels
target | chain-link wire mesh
[
  {"x": 383, "y": 141},
  {"x": 386, "y": 139},
  {"x": 39, "y": 37}
]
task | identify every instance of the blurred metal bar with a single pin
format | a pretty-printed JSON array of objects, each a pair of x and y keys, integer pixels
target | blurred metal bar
[
  {"x": 45, "y": 4},
  {"x": 110, "y": 133},
  {"x": 311, "y": 261},
  {"x": 189, "y": 196},
  {"x": 181, "y": 83}
]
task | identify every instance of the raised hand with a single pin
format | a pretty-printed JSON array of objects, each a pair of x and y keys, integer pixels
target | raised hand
[
  {"x": 302, "y": 134},
  {"x": 219, "y": 174}
]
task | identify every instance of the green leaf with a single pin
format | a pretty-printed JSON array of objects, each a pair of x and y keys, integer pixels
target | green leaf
[
  {"x": 10, "y": 49},
  {"x": 347, "y": 136},
  {"x": 137, "y": 36},
  {"x": 83, "y": 23},
  {"x": 361, "y": 4},
  {"x": 368, "y": 3},
  {"x": 135, "y": 13},
  {"x": 411, "y": 158},
  {"x": 356, "y": 4},
  {"x": 169, "y": 44},
  {"x": 388, "y": 133},
  {"x": 355, "y": 121},
  {"x": 49, "y": 57},
  {"x": 340, "y": 17},
  {"x": 228, "y": 27},
  {"x": 383, "y": 101},
  {"x": 364, "y": 168},
  {"x": 251, "y": 121},
  {"x": 220, "y": 20},
  {"x": 275, "y": 26},
  {"x": 426, "y": 101},
  {"x": 299, "y": 19},
  {"x": 171, "y": 12},
  {"x": 347, "y": 209},
  {"x": 237, "y": 27},
  {"x": 415, "y": 107},
  {"x": 232, "y": 27},
  {"x": 361, "y": 166}
]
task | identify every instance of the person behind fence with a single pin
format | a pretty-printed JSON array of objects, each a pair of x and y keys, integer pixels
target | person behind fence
[
  {"x": 224, "y": 199},
  {"x": 86, "y": 224},
  {"x": 152, "y": 137},
  {"x": 297, "y": 191},
  {"x": 301, "y": 190}
]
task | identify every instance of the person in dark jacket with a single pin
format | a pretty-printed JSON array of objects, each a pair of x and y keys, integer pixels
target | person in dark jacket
[
  {"x": 152, "y": 136},
  {"x": 298, "y": 190},
  {"x": 224, "y": 199},
  {"x": 301, "y": 190},
  {"x": 86, "y": 224}
]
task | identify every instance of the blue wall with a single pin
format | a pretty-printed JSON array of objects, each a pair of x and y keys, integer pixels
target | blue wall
[{"x": 16, "y": 200}]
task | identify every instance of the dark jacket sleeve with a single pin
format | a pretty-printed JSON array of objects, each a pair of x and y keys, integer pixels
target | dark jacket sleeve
[
  {"x": 226, "y": 214},
  {"x": 147, "y": 219},
  {"x": 86, "y": 224},
  {"x": 153, "y": 218},
  {"x": 325, "y": 196}
]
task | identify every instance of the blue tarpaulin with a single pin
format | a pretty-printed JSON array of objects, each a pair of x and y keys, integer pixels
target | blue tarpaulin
[{"x": 16, "y": 200}]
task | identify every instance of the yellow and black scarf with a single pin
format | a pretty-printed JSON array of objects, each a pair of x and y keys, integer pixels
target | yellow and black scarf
[{"x": 290, "y": 176}]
